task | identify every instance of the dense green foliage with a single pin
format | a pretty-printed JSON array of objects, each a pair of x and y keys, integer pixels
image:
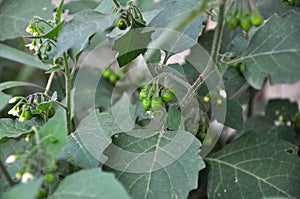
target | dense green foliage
[{"x": 145, "y": 99}]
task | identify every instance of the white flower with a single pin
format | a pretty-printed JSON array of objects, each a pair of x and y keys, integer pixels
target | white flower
[
  {"x": 32, "y": 46},
  {"x": 12, "y": 100},
  {"x": 27, "y": 177},
  {"x": 223, "y": 93},
  {"x": 14, "y": 111},
  {"x": 11, "y": 159}
]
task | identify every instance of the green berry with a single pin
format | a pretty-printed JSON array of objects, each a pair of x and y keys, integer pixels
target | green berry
[
  {"x": 146, "y": 103},
  {"x": 113, "y": 78},
  {"x": 48, "y": 47},
  {"x": 168, "y": 95},
  {"x": 106, "y": 73},
  {"x": 50, "y": 178},
  {"x": 245, "y": 23},
  {"x": 143, "y": 94},
  {"x": 51, "y": 112},
  {"x": 256, "y": 20},
  {"x": 156, "y": 103},
  {"x": 27, "y": 115},
  {"x": 231, "y": 22},
  {"x": 45, "y": 57}
]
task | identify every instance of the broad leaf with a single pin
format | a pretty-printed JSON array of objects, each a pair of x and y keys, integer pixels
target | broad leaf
[
  {"x": 10, "y": 128},
  {"x": 274, "y": 51},
  {"x": 174, "y": 13},
  {"x": 155, "y": 164},
  {"x": 55, "y": 127},
  {"x": 234, "y": 115},
  {"x": 88, "y": 184},
  {"x": 13, "y": 54},
  {"x": 254, "y": 166},
  {"x": 78, "y": 31},
  {"x": 16, "y": 15},
  {"x": 4, "y": 100},
  {"x": 131, "y": 45},
  {"x": 26, "y": 191},
  {"x": 77, "y": 6},
  {"x": 12, "y": 84},
  {"x": 85, "y": 146}
]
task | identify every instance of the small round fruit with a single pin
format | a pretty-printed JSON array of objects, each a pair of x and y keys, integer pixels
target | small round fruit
[
  {"x": 143, "y": 94},
  {"x": 256, "y": 20},
  {"x": 106, "y": 73},
  {"x": 27, "y": 115},
  {"x": 168, "y": 95},
  {"x": 245, "y": 23},
  {"x": 48, "y": 47},
  {"x": 113, "y": 78},
  {"x": 51, "y": 112},
  {"x": 45, "y": 57},
  {"x": 50, "y": 178},
  {"x": 232, "y": 22},
  {"x": 146, "y": 103},
  {"x": 156, "y": 103}
]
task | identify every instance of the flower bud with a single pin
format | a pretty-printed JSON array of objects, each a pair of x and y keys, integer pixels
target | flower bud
[{"x": 12, "y": 159}]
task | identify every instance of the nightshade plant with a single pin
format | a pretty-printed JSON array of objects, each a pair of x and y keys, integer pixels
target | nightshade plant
[{"x": 93, "y": 104}]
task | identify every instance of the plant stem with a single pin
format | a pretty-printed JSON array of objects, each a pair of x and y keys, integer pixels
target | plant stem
[
  {"x": 6, "y": 174},
  {"x": 211, "y": 66},
  {"x": 68, "y": 93}
]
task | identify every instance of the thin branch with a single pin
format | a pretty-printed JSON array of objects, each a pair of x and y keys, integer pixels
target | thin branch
[
  {"x": 6, "y": 174},
  {"x": 211, "y": 66}
]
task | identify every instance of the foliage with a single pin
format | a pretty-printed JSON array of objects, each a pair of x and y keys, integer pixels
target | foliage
[{"x": 143, "y": 99}]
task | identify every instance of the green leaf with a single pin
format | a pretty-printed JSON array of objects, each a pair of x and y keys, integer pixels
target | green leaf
[
  {"x": 131, "y": 45},
  {"x": 127, "y": 117},
  {"x": 25, "y": 191},
  {"x": 174, "y": 13},
  {"x": 174, "y": 118},
  {"x": 155, "y": 164},
  {"x": 55, "y": 69},
  {"x": 105, "y": 6},
  {"x": 44, "y": 106},
  {"x": 234, "y": 115},
  {"x": 92, "y": 136},
  {"x": 16, "y": 15},
  {"x": 59, "y": 12},
  {"x": 57, "y": 128},
  {"x": 13, "y": 54},
  {"x": 10, "y": 128},
  {"x": 87, "y": 184},
  {"x": 77, "y": 6},
  {"x": 12, "y": 84},
  {"x": 4, "y": 100},
  {"x": 259, "y": 124},
  {"x": 254, "y": 166},
  {"x": 269, "y": 48},
  {"x": 53, "y": 33},
  {"x": 78, "y": 31}
]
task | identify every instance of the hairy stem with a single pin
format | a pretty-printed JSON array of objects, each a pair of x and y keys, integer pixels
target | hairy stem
[
  {"x": 211, "y": 66},
  {"x": 68, "y": 93},
  {"x": 6, "y": 174}
]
